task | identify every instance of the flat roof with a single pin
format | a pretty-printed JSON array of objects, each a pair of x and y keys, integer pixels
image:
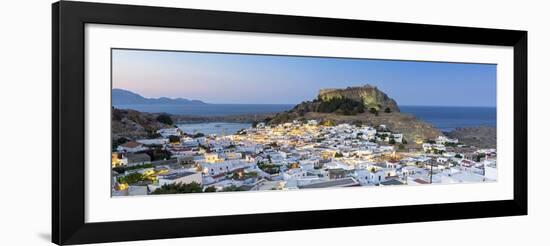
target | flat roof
[
  {"x": 332, "y": 183},
  {"x": 392, "y": 182},
  {"x": 173, "y": 176}
]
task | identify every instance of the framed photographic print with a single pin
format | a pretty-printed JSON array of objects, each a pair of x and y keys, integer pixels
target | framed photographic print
[{"x": 175, "y": 122}]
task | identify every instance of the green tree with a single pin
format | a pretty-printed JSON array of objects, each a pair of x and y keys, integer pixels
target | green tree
[
  {"x": 479, "y": 157},
  {"x": 174, "y": 139},
  {"x": 210, "y": 189},
  {"x": 131, "y": 178},
  {"x": 343, "y": 106},
  {"x": 118, "y": 141},
  {"x": 176, "y": 188},
  {"x": 373, "y": 111},
  {"x": 165, "y": 119},
  {"x": 269, "y": 168},
  {"x": 232, "y": 188},
  {"x": 328, "y": 123}
]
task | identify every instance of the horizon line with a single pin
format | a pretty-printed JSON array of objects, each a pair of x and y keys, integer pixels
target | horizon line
[{"x": 225, "y": 103}]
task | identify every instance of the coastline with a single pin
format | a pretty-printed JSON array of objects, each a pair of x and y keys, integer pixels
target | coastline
[
  {"x": 240, "y": 118},
  {"x": 487, "y": 132}
]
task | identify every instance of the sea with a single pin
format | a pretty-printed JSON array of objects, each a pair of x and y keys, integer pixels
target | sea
[
  {"x": 218, "y": 128},
  {"x": 449, "y": 118},
  {"x": 444, "y": 118},
  {"x": 207, "y": 109}
]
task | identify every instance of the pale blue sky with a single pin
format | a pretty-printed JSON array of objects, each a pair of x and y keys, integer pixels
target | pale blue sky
[{"x": 264, "y": 79}]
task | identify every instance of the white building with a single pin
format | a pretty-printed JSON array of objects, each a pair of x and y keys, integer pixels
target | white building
[
  {"x": 131, "y": 147},
  {"x": 156, "y": 141},
  {"x": 377, "y": 176},
  {"x": 212, "y": 157},
  {"x": 398, "y": 137},
  {"x": 308, "y": 165},
  {"x": 312, "y": 122},
  {"x": 444, "y": 140},
  {"x": 167, "y": 132},
  {"x": 294, "y": 173}
]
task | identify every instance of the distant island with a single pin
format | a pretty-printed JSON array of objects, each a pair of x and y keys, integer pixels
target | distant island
[{"x": 122, "y": 97}]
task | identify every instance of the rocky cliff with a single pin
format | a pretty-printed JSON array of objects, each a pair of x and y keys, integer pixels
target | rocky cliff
[
  {"x": 365, "y": 104},
  {"x": 132, "y": 125},
  {"x": 368, "y": 95}
]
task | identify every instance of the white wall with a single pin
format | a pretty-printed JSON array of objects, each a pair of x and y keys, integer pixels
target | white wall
[{"x": 25, "y": 99}]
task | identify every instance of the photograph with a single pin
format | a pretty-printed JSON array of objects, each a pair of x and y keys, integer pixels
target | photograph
[
  {"x": 263, "y": 123},
  {"x": 205, "y": 122}
]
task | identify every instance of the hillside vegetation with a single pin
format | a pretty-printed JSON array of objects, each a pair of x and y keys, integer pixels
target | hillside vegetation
[{"x": 365, "y": 105}]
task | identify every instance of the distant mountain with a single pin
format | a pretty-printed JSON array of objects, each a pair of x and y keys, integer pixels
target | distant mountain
[{"x": 120, "y": 97}]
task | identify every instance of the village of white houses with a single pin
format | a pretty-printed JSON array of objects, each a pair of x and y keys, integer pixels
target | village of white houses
[{"x": 240, "y": 137}]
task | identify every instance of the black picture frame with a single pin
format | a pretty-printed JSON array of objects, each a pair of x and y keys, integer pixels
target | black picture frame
[{"x": 68, "y": 122}]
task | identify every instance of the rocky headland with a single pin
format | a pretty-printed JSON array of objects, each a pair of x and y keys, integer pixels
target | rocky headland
[
  {"x": 354, "y": 105},
  {"x": 366, "y": 105}
]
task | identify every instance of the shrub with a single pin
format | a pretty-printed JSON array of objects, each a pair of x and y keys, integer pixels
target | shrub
[
  {"x": 192, "y": 187},
  {"x": 282, "y": 118},
  {"x": 174, "y": 139},
  {"x": 327, "y": 123},
  {"x": 121, "y": 169},
  {"x": 165, "y": 119},
  {"x": 269, "y": 168},
  {"x": 373, "y": 111},
  {"x": 131, "y": 178},
  {"x": 479, "y": 157},
  {"x": 118, "y": 142},
  {"x": 210, "y": 189},
  {"x": 232, "y": 188},
  {"x": 343, "y": 106}
]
